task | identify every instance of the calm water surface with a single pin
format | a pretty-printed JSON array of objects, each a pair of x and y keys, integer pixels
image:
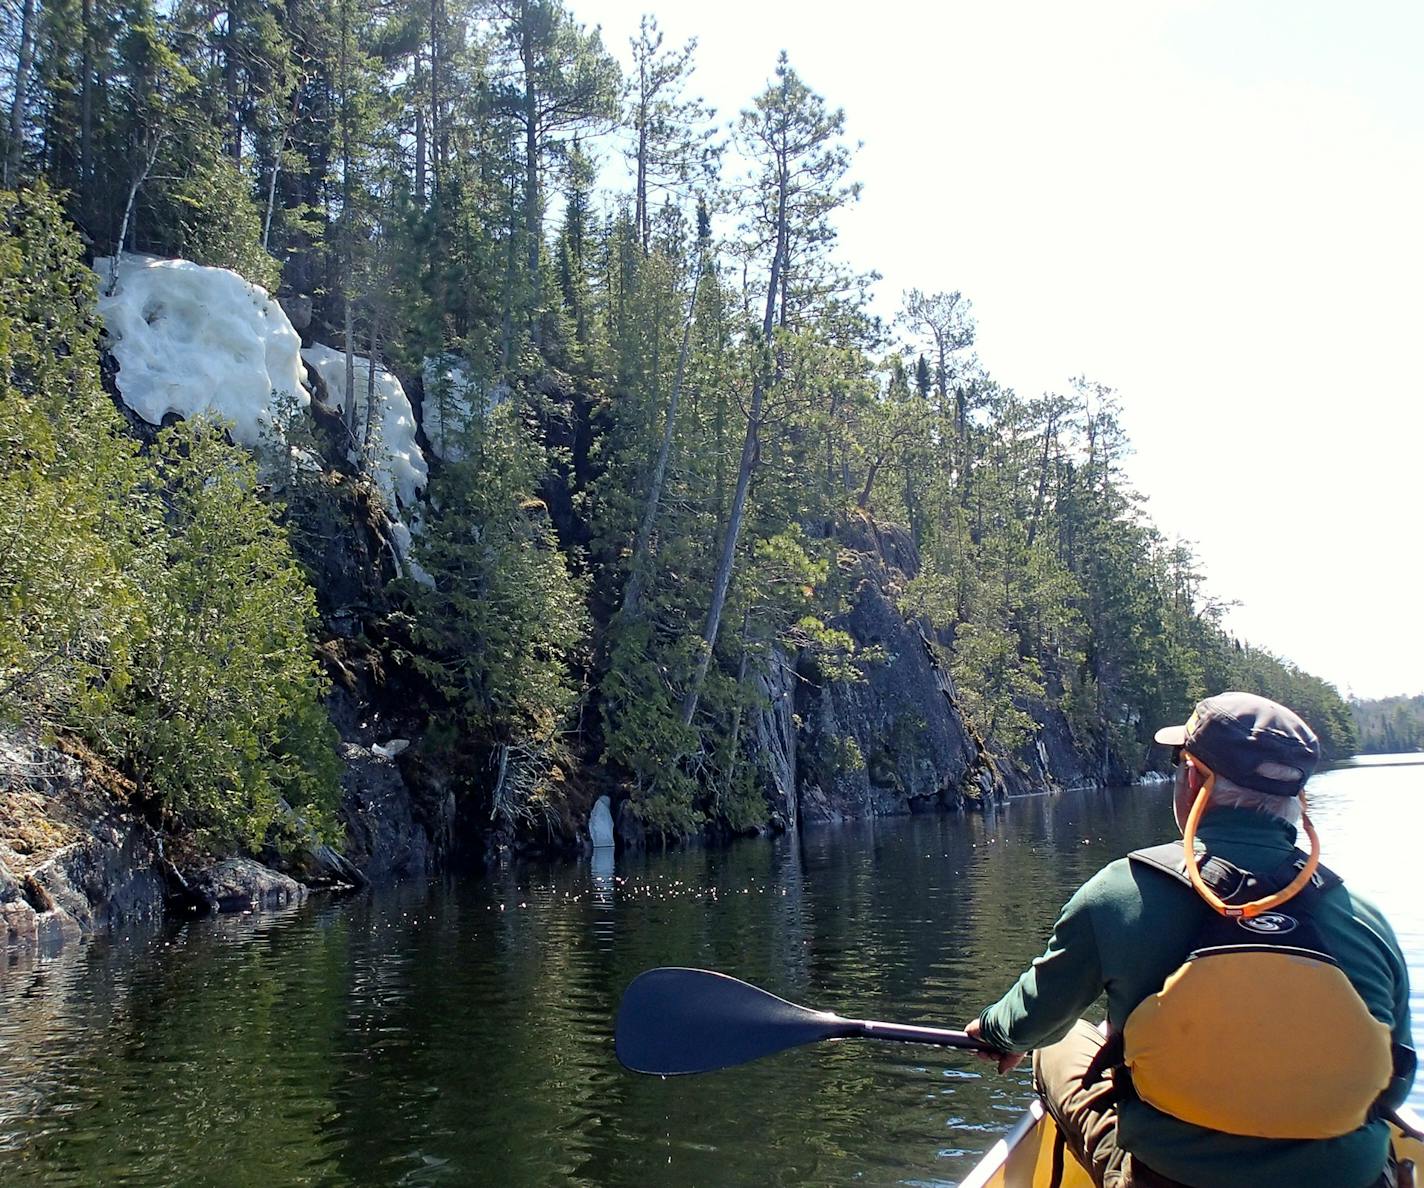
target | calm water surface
[{"x": 461, "y": 1034}]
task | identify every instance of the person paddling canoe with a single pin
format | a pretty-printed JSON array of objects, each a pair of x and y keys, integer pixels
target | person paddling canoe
[{"x": 1258, "y": 1010}]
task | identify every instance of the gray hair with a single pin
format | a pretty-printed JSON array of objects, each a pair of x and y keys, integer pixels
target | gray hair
[{"x": 1229, "y": 795}]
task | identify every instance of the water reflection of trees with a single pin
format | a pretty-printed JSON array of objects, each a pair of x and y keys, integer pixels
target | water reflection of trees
[{"x": 462, "y": 1032}]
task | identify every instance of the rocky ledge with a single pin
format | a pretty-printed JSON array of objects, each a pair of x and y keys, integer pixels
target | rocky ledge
[
  {"x": 241, "y": 885},
  {"x": 75, "y": 859},
  {"x": 72, "y": 860}
]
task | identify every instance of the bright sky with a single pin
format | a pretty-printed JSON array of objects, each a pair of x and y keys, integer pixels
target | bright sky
[{"x": 1214, "y": 206}]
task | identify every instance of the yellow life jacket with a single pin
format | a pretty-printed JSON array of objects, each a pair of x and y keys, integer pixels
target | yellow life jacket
[{"x": 1258, "y": 1032}]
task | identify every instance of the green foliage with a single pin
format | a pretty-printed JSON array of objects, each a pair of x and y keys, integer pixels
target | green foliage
[
  {"x": 645, "y": 737},
  {"x": 832, "y": 757},
  {"x": 399, "y": 165},
  {"x": 208, "y": 216},
  {"x": 994, "y": 681},
  {"x": 72, "y": 516},
  {"x": 740, "y": 803},
  {"x": 500, "y": 622},
  {"x": 152, "y": 602},
  {"x": 224, "y": 715},
  {"x": 1389, "y": 725}
]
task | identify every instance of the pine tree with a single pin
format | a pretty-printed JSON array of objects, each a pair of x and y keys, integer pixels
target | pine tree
[
  {"x": 793, "y": 141},
  {"x": 672, "y": 148},
  {"x": 557, "y": 80}
]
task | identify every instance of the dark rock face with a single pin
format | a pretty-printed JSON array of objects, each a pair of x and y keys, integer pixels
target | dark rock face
[
  {"x": 108, "y": 880},
  {"x": 241, "y": 885},
  {"x": 395, "y": 827},
  {"x": 385, "y": 840},
  {"x": 341, "y": 535},
  {"x": 1059, "y": 761},
  {"x": 775, "y": 730},
  {"x": 893, "y": 743},
  {"x": 298, "y": 308},
  {"x": 72, "y": 862}
]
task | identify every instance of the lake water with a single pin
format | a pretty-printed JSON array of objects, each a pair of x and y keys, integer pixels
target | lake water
[{"x": 461, "y": 1033}]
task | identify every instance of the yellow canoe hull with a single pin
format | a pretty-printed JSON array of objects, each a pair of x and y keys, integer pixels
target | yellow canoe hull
[
  {"x": 1408, "y": 1148},
  {"x": 1023, "y": 1158}
]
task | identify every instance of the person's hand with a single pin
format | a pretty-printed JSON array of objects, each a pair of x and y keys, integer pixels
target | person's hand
[{"x": 1007, "y": 1061}]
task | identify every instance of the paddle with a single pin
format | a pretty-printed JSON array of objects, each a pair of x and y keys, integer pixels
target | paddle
[{"x": 673, "y": 1021}]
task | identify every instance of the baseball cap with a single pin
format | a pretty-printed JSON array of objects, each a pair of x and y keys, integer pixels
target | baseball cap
[{"x": 1250, "y": 740}]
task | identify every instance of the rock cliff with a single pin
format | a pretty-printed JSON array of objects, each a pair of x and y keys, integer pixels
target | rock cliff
[
  {"x": 74, "y": 857},
  {"x": 889, "y": 744}
]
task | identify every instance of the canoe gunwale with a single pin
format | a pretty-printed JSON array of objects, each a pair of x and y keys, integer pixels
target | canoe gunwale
[
  {"x": 997, "y": 1155},
  {"x": 989, "y": 1171}
]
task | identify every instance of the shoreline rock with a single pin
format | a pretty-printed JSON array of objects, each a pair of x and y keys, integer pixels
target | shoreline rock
[
  {"x": 242, "y": 885},
  {"x": 73, "y": 860}
]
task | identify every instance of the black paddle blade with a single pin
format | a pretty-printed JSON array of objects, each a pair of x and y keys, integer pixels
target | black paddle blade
[{"x": 674, "y": 1021}]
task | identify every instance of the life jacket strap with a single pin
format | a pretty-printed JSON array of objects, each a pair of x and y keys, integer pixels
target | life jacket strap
[
  {"x": 1231, "y": 882},
  {"x": 1406, "y": 1061}
]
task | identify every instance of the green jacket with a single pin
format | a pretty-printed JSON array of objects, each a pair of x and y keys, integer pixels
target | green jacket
[{"x": 1127, "y": 928}]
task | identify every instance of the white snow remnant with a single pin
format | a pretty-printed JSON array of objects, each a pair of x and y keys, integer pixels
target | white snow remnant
[
  {"x": 191, "y": 339},
  {"x": 453, "y": 397},
  {"x": 401, "y": 471},
  {"x": 400, "y": 541},
  {"x": 600, "y": 824}
]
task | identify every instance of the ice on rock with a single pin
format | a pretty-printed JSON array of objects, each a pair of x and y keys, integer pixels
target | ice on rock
[
  {"x": 600, "y": 824},
  {"x": 401, "y": 538},
  {"x": 453, "y": 395},
  {"x": 401, "y": 471},
  {"x": 190, "y": 339}
]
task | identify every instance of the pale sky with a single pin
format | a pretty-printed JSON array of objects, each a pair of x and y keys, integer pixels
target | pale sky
[{"x": 1213, "y": 206}]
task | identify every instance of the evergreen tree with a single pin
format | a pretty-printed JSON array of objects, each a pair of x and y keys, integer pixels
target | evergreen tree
[
  {"x": 671, "y": 149},
  {"x": 72, "y": 514},
  {"x": 793, "y": 141},
  {"x": 557, "y": 80},
  {"x": 500, "y": 622},
  {"x": 223, "y": 719}
]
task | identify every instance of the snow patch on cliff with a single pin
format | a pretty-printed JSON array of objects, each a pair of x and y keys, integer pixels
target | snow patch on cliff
[
  {"x": 191, "y": 340},
  {"x": 453, "y": 397},
  {"x": 401, "y": 471}
]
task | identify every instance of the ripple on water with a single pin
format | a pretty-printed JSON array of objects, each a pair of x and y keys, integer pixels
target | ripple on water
[{"x": 461, "y": 1033}]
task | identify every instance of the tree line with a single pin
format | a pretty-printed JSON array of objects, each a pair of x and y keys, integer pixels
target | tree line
[
  {"x": 672, "y": 398},
  {"x": 1389, "y": 725}
]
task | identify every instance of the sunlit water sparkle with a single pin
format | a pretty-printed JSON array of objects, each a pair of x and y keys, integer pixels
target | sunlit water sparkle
[{"x": 461, "y": 1033}]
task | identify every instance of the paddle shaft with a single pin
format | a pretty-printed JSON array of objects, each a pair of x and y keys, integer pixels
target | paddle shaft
[{"x": 905, "y": 1033}]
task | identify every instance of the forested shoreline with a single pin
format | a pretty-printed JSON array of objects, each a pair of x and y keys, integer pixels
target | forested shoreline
[
  {"x": 1389, "y": 725},
  {"x": 655, "y": 418}
]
